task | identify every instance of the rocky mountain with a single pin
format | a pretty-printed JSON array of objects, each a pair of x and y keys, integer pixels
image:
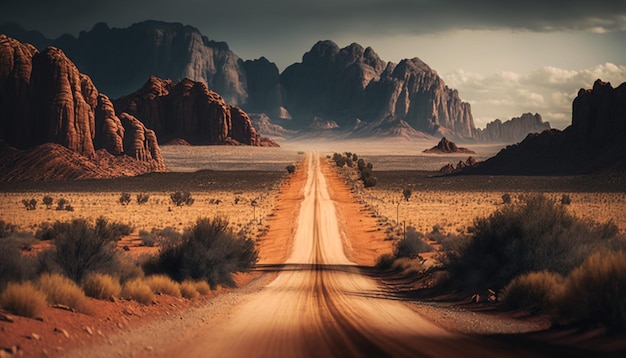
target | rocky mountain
[
  {"x": 189, "y": 110},
  {"x": 446, "y": 146},
  {"x": 345, "y": 84},
  {"x": 513, "y": 130},
  {"x": 593, "y": 142},
  {"x": 45, "y": 99}
]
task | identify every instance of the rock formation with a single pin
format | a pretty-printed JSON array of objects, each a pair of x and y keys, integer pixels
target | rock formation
[
  {"x": 445, "y": 147},
  {"x": 593, "y": 142},
  {"x": 189, "y": 110},
  {"x": 45, "y": 99},
  {"x": 461, "y": 165},
  {"x": 513, "y": 130}
]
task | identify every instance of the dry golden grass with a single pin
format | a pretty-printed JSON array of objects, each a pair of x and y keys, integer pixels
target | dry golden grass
[
  {"x": 202, "y": 287},
  {"x": 188, "y": 290},
  {"x": 61, "y": 290},
  {"x": 23, "y": 299},
  {"x": 137, "y": 290},
  {"x": 162, "y": 284},
  {"x": 101, "y": 286}
]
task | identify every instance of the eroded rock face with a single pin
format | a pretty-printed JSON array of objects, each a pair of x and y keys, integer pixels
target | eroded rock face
[
  {"x": 188, "y": 110},
  {"x": 50, "y": 101},
  {"x": 513, "y": 130}
]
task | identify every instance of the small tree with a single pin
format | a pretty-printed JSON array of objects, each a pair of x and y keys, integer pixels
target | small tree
[
  {"x": 124, "y": 199},
  {"x": 30, "y": 204},
  {"x": 180, "y": 198},
  {"x": 61, "y": 203},
  {"x": 142, "y": 198},
  {"x": 47, "y": 201},
  {"x": 291, "y": 169},
  {"x": 407, "y": 193},
  {"x": 506, "y": 198}
]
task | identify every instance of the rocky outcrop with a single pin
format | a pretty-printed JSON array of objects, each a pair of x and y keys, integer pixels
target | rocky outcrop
[
  {"x": 345, "y": 84},
  {"x": 188, "y": 110},
  {"x": 593, "y": 142},
  {"x": 49, "y": 101},
  {"x": 446, "y": 147},
  {"x": 513, "y": 130},
  {"x": 461, "y": 165}
]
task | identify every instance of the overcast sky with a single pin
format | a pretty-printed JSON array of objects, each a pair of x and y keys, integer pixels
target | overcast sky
[{"x": 504, "y": 57}]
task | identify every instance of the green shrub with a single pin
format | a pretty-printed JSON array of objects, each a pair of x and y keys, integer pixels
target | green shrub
[
  {"x": 101, "y": 286},
  {"x": 161, "y": 284},
  {"x": 137, "y": 290},
  {"x": 534, "y": 291},
  {"x": 61, "y": 290},
  {"x": 411, "y": 245},
  {"x": 23, "y": 299},
  {"x": 208, "y": 251},
  {"x": 595, "y": 292},
  {"x": 536, "y": 235}
]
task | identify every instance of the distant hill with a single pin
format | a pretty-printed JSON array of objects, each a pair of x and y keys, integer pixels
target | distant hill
[
  {"x": 513, "y": 130},
  {"x": 594, "y": 142}
]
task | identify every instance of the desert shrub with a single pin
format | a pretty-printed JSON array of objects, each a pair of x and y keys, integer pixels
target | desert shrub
[
  {"x": 47, "y": 201},
  {"x": 385, "y": 261},
  {"x": 506, "y": 198},
  {"x": 62, "y": 290},
  {"x": 30, "y": 204},
  {"x": 168, "y": 236},
  {"x": 23, "y": 299},
  {"x": 129, "y": 268},
  {"x": 14, "y": 266},
  {"x": 142, "y": 198},
  {"x": 124, "y": 199},
  {"x": 188, "y": 290},
  {"x": 80, "y": 248},
  {"x": 162, "y": 284},
  {"x": 6, "y": 229},
  {"x": 61, "y": 203},
  {"x": 534, "y": 291},
  {"x": 202, "y": 287},
  {"x": 566, "y": 200},
  {"x": 532, "y": 236},
  {"x": 147, "y": 238},
  {"x": 137, "y": 290},
  {"x": 411, "y": 245},
  {"x": 180, "y": 198},
  {"x": 595, "y": 292},
  {"x": 407, "y": 266},
  {"x": 69, "y": 207},
  {"x": 101, "y": 286},
  {"x": 208, "y": 251},
  {"x": 407, "y": 193},
  {"x": 291, "y": 169}
]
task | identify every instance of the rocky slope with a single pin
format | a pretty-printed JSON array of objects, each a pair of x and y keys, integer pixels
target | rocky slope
[
  {"x": 446, "y": 146},
  {"x": 354, "y": 83},
  {"x": 513, "y": 130},
  {"x": 593, "y": 142},
  {"x": 45, "y": 99},
  {"x": 190, "y": 111}
]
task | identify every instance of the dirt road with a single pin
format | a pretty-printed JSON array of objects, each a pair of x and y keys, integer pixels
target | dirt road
[{"x": 319, "y": 305}]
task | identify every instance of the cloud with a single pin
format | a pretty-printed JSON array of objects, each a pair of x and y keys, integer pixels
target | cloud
[{"x": 547, "y": 90}]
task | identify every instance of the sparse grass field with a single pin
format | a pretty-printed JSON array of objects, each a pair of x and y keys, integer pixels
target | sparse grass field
[{"x": 226, "y": 194}]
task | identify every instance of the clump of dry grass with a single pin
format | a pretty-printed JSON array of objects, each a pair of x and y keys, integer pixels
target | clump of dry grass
[
  {"x": 23, "y": 299},
  {"x": 202, "y": 287},
  {"x": 136, "y": 289},
  {"x": 61, "y": 290},
  {"x": 188, "y": 289},
  {"x": 534, "y": 291},
  {"x": 101, "y": 286},
  {"x": 162, "y": 284}
]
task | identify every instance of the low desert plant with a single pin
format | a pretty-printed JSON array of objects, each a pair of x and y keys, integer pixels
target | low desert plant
[
  {"x": 411, "y": 245},
  {"x": 61, "y": 203},
  {"x": 124, "y": 199},
  {"x": 101, "y": 286},
  {"x": 147, "y": 238},
  {"x": 506, "y": 198},
  {"x": 202, "y": 287},
  {"x": 142, "y": 198},
  {"x": 209, "y": 251},
  {"x": 62, "y": 290},
  {"x": 566, "y": 200},
  {"x": 291, "y": 169},
  {"x": 534, "y": 291},
  {"x": 6, "y": 229},
  {"x": 595, "y": 292},
  {"x": 162, "y": 284},
  {"x": 385, "y": 261},
  {"x": 47, "y": 201},
  {"x": 181, "y": 198},
  {"x": 13, "y": 265},
  {"x": 30, "y": 204},
  {"x": 137, "y": 290},
  {"x": 188, "y": 290},
  {"x": 23, "y": 299}
]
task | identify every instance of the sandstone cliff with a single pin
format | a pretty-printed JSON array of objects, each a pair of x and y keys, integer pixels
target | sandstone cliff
[
  {"x": 513, "y": 130},
  {"x": 189, "y": 110},
  {"x": 593, "y": 142},
  {"x": 45, "y": 99}
]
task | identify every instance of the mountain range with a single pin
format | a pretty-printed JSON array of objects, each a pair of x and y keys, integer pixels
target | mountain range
[{"x": 350, "y": 88}]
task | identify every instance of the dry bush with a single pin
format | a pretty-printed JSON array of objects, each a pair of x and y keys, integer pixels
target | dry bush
[
  {"x": 202, "y": 287},
  {"x": 23, "y": 299},
  {"x": 14, "y": 266},
  {"x": 408, "y": 266},
  {"x": 137, "y": 290},
  {"x": 411, "y": 245},
  {"x": 161, "y": 284},
  {"x": 188, "y": 290},
  {"x": 385, "y": 261},
  {"x": 595, "y": 292},
  {"x": 534, "y": 291},
  {"x": 101, "y": 286},
  {"x": 62, "y": 290}
]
